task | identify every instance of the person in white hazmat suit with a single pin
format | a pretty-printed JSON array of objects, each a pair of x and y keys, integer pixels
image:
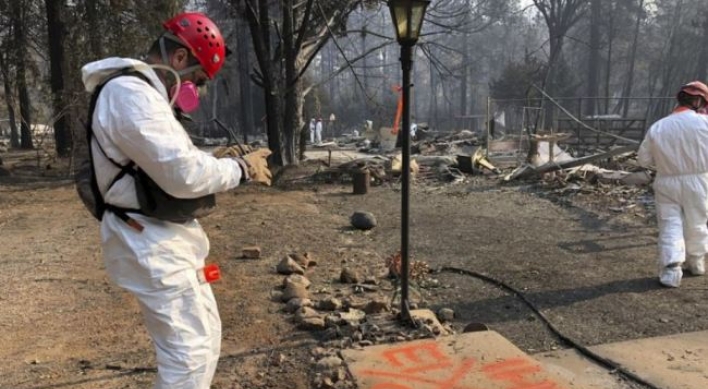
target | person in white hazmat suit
[
  {"x": 677, "y": 146},
  {"x": 158, "y": 261},
  {"x": 312, "y": 131},
  {"x": 318, "y": 131}
]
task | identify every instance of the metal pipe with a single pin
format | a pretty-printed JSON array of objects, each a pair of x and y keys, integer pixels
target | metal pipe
[
  {"x": 406, "y": 66},
  {"x": 489, "y": 119}
]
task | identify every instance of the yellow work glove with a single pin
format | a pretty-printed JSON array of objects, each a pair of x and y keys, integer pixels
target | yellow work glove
[
  {"x": 258, "y": 166},
  {"x": 232, "y": 151}
]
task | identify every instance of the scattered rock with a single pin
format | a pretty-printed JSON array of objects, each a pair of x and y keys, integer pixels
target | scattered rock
[
  {"x": 370, "y": 331},
  {"x": 321, "y": 352},
  {"x": 446, "y": 314},
  {"x": 357, "y": 336},
  {"x": 295, "y": 304},
  {"x": 277, "y": 359},
  {"x": 312, "y": 324},
  {"x": 251, "y": 252},
  {"x": 276, "y": 296},
  {"x": 376, "y": 306},
  {"x": 363, "y": 220},
  {"x": 293, "y": 291},
  {"x": 349, "y": 276},
  {"x": 323, "y": 382},
  {"x": 371, "y": 280},
  {"x": 330, "y": 304},
  {"x": 288, "y": 266},
  {"x": 305, "y": 260},
  {"x": 426, "y": 319},
  {"x": 296, "y": 279},
  {"x": 332, "y": 320},
  {"x": 353, "y": 302},
  {"x": 328, "y": 364},
  {"x": 353, "y": 317},
  {"x": 305, "y": 312}
]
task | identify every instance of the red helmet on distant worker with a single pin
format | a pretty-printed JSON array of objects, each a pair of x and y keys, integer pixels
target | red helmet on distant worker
[
  {"x": 202, "y": 37},
  {"x": 695, "y": 88}
]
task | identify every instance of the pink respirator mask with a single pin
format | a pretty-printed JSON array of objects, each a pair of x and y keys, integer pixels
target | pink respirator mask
[{"x": 187, "y": 97}]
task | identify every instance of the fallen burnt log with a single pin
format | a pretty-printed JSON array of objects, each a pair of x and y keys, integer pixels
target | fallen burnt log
[{"x": 528, "y": 171}]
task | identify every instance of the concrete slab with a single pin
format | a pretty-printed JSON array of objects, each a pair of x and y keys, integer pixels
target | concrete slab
[
  {"x": 577, "y": 369},
  {"x": 670, "y": 362},
  {"x": 477, "y": 360}
]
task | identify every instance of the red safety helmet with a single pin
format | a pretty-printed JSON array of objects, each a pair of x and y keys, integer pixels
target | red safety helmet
[
  {"x": 200, "y": 35},
  {"x": 696, "y": 88}
]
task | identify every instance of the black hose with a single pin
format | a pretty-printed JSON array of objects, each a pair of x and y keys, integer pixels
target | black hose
[{"x": 607, "y": 363}]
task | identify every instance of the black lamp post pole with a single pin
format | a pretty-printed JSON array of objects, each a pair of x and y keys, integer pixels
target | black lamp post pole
[{"x": 406, "y": 66}]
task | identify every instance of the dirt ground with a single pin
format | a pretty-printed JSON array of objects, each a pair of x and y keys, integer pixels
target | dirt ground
[{"x": 588, "y": 269}]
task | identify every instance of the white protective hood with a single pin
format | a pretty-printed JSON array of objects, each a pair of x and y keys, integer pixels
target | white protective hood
[{"x": 95, "y": 72}]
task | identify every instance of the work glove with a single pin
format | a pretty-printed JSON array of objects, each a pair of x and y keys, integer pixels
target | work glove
[
  {"x": 258, "y": 166},
  {"x": 253, "y": 161},
  {"x": 232, "y": 151}
]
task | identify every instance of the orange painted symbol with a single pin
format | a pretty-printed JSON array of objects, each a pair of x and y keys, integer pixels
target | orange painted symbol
[{"x": 424, "y": 366}]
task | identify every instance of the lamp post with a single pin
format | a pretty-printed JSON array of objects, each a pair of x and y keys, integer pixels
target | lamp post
[{"x": 407, "y": 18}]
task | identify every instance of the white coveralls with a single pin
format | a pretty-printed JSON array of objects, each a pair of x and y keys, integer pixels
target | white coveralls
[
  {"x": 677, "y": 146},
  {"x": 134, "y": 121},
  {"x": 318, "y": 131},
  {"x": 312, "y": 131}
]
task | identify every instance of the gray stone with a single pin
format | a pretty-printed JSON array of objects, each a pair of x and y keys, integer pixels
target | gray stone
[
  {"x": 276, "y": 296},
  {"x": 330, "y": 304},
  {"x": 296, "y": 279},
  {"x": 321, "y": 352},
  {"x": 358, "y": 336},
  {"x": 304, "y": 313},
  {"x": 353, "y": 317},
  {"x": 305, "y": 260},
  {"x": 332, "y": 320},
  {"x": 277, "y": 359},
  {"x": 446, "y": 314},
  {"x": 312, "y": 324},
  {"x": 295, "y": 304},
  {"x": 328, "y": 364},
  {"x": 288, "y": 266},
  {"x": 349, "y": 276},
  {"x": 251, "y": 252},
  {"x": 353, "y": 302},
  {"x": 376, "y": 306},
  {"x": 363, "y": 220},
  {"x": 294, "y": 291}
]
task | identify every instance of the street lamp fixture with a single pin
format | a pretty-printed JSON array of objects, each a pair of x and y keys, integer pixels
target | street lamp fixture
[{"x": 407, "y": 18}]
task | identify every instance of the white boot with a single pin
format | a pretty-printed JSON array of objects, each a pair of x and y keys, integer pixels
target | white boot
[
  {"x": 671, "y": 275},
  {"x": 695, "y": 265}
]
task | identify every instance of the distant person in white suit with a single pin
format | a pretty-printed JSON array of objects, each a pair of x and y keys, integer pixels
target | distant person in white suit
[
  {"x": 312, "y": 131},
  {"x": 318, "y": 131}
]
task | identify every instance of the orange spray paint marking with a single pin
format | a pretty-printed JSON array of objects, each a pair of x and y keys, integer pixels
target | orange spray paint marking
[
  {"x": 413, "y": 362},
  {"x": 516, "y": 372},
  {"x": 413, "y": 365}
]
